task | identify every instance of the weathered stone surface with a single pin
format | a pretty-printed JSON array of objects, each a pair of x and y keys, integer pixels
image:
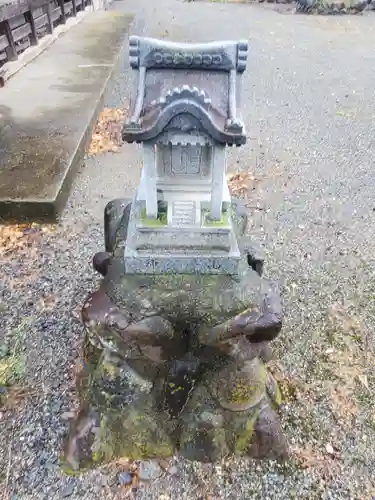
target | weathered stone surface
[
  {"x": 178, "y": 332},
  {"x": 176, "y": 364},
  {"x": 149, "y": 470}
]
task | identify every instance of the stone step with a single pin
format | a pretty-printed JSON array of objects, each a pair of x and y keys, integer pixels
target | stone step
[
  {"x": 52, "y": 105},
  {"x": 174, "y": 240}
]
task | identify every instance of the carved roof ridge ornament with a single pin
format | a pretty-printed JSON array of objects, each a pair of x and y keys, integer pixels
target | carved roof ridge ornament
[
  {"x": 152, "y": 57},
  {"x": 154, "y": 53},
  {"x": 184, "y": 92}
]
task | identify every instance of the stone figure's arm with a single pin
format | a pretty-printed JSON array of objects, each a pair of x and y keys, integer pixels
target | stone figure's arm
[
  {"x": 257, "y": 324},
  {"x": 99, "y": 314}
]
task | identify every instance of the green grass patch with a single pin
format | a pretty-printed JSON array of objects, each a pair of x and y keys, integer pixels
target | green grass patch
[
  {"x": 161, "y": 220},
  {"x": 12, "y": 373},
  {"x": 12, "y": 365},
  {"x": 208, "y": 222}
]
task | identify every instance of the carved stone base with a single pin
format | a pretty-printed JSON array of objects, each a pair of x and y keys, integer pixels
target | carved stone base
[
  {"x": 186, "y": 249},
  {"x": 176, "y": 364}
]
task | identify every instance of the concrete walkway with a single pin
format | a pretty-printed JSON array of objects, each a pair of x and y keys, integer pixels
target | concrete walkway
[
  {"x": 309, "y": 107},
  {"x": 47, "y": 112}
]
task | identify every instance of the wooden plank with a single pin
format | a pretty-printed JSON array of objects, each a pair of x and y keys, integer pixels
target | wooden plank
[
  {"x": 56, "y": 14},
  {"x": 3, "y": 42},
  {"x": 16, "y": 22},
  {"x": 13, "y": 9},
  {"x": 38, "y": 12},
  {"x": 37, "y": 4},
  {"x": 30, "y": 20},
  {"x": 21, "y": 32},
  {"x": 41, "y": 21},
  {"x": 22, "y": 46},
  {"x": 68, "y": 8},
  {"x": 11, "y": 49}
]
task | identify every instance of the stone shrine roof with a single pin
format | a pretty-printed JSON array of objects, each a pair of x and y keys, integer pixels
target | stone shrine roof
[{"x": 188, "y": 88}]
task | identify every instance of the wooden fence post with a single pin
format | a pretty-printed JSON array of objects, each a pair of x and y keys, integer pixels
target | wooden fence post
[
  {"x": 49, "y": 16},
  {"x": 62, "y": 7},
  {"x": 33, "y": 35},
  {"x": 11, "y": 50}
]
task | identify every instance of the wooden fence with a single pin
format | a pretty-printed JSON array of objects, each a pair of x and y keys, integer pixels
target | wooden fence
[{"x": 23, "y": 23}]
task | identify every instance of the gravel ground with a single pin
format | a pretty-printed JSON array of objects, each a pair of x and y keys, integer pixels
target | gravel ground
[{"x": 309, "y": 105}]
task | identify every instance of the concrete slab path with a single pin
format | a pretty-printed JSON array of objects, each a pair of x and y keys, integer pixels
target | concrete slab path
[{"x": 47, "y": 112}]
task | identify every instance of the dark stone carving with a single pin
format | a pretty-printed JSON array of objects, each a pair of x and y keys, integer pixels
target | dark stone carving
[
  {"x": 151, "y": 53},
  {"x": 171, "y": 367}
]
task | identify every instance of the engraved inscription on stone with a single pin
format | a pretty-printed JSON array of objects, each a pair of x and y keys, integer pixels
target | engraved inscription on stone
[
  {"x": 184, "y": 213},
  {"x": 180, "y": 160},
  {"x": 186, "y": 160},
  {"x": 164, "y": 160},
  {"x": 195, "y": 159},
  {"x": 189, "y": 160}
]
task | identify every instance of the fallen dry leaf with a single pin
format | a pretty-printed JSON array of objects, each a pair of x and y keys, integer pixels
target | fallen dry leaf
[
  {"x": 164, "y": 464},
  {"x": 15, "y": 237},
  {"x": 291, "y": 388},
  {"x": 348, "y": 361},
  {"x": 107, "y": 133},
  {"x": 123, "y": 462},
  {"x": 47, "y": 303},
  {"x": 343, "y": 404},
  {"x": 307, "y": 457},
  {"x": 239, "y": 184}
]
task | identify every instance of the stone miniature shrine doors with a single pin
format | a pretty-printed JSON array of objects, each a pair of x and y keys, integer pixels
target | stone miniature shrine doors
[
  {"x": 184, "y": 162},
  {"x": 189, "y": 172}
]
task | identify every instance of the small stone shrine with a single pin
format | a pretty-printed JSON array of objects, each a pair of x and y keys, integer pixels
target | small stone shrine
[
  {"x": 186, "y": 113},
  {"x": 177, "y": 335}
]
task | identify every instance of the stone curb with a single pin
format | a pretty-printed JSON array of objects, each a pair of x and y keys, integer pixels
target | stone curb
[{"x": 46, "y": 128}]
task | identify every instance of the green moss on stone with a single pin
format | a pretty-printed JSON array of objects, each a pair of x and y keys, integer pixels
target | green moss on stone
[
  {"x": 274, "y": 391},
  {"x": 244, "y": 389},
  {"x": 131, "y": 434},
  {"x": 278, "y": 396},
  {"x": 242, "y": 392},
  {"x": 245, "y": 436},
  {"x": 161, "y": 220},
  {"x": 208, "y": 222},
  {"x": 69, "y": 471}
]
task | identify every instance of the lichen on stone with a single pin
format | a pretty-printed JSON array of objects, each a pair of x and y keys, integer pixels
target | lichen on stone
[{"x": 245, "y": 434}]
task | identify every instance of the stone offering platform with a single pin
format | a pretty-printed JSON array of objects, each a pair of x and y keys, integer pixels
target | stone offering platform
[{"x": 47, "y": 112}]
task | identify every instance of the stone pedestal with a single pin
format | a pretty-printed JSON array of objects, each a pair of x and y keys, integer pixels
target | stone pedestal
[
  {"x": 175, "y": 363},
  {"x": 188, "y": 244}
]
